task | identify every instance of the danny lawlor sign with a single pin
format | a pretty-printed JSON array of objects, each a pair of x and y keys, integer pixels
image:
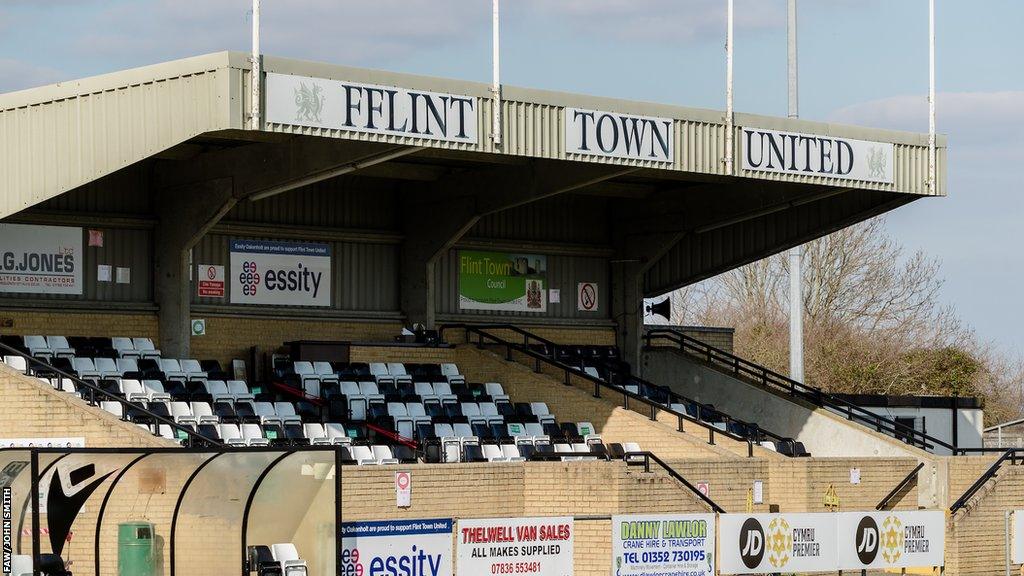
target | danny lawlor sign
[
  {"x": 370, "y": 108},
  {"x": 597, "y": 133},
  {"x": 812, "y": 155}
]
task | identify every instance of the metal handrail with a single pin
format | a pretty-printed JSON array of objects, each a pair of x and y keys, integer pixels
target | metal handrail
[
  {"x": 884, "y": 502},
  {"x": 630, "y": 458},
  {"x": 816, "y": 396},
  {"x": 570, "y": 371},
  {"x": 993, "y": 471},
  {"x": 193, "y": 435}
]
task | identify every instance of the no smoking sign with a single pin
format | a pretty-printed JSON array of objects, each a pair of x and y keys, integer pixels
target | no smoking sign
[{"x": 586, "y": 297}]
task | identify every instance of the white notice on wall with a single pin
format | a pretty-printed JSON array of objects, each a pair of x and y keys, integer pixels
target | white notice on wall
[
  {"x": 103, "y": 273},
  {"x": 403, "y": 489},
  {"x": 124, "y": 275},
  {"x": 854, "y": 475},
  {"x": 554, "y": 295}
]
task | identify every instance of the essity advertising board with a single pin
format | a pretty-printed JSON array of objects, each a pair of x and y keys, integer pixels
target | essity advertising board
[
  {"x": 767, "y": 543},
  {"x": 41, "y": 259},
  {"x": 542, "y": 546},
  {"x": 891, "y": 539},
  {"x": 280, "y": 273},
  {"x": 396, "y": 548},
  {"x": 663, "y": 545}
]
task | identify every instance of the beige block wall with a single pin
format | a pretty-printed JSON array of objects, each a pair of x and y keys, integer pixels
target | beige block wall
[{"x": 80, "y": 323}]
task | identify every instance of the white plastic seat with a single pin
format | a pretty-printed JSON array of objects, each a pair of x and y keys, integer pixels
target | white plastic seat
[
  {"x": 592, "y": 372},
  {"x": 398, "y": 373},
  {"x": 60, "y": 347},
  {"x": 631, "y": 447},
  {"x": 371, "y": 392},
  {"x": 145, "y": 348},
  {"x": 65, "y": 385},
  {"x": 266, "y": 413},
  {"x": 309, "y": 380},
  {"x": 124, "y": 347},
  {"x": 451, "y": 372},
  {"x": 356, "y": 400},
  {"x": 769, "y": 445},
  {"x": 115, "y": 408},
  {"x": 316, "y": 434},
  {"x": 465, "y": 433},
  {"x": 443, "y": 391},
  {"x": 380, "y": 373},
  {"x": 588, "y": 432},
  {"x": 417, "y": 412},
  {"x": 133, "y": 390},
  {"x": 85, "y": 368},
  {"x": 496, "y": 392},
  {"x": 363, "y": 456},
  {"x": 536, "y": 433},
  {"x": 166, "y": 431},
  {"x": 583, "y": 450},
  {"x": 336, "y": 433},
  {"x": 192, "y": 369},
  {"x": 426, "y": 393},
  {"x": 107, "y": 368},
  {"x": 382, "y": 453},
  {"x": 126, "y": 365},
  {"x": 219, "y": 391},
  {"x": 451, "y": 443},
  {"x": 239, "y": 390},
  {"x": 540, "y": 410},
  {"x": 204, "y": 413},
  {"x": 511, "y": 453},
  {"x": 155, "y": 391},
  {"x": 325, "y": 371},
  {"x": 17, "y": 362},
  {"x": 172, "y": 370},
  {"x": 253, "y": 435},
  {"x": 37, "y": 346},
  {"x": 489, "y": 410},
  {"x": 517, "y": 432},
  {"x": 182, "y": 413},
  {"x": 471, "y": 410},
  {"x": 404, "y": 425},
  {"x": 288, "y": 556},
  {"x": 231, "y": 434},
  {"x": 493, "y": 453}
]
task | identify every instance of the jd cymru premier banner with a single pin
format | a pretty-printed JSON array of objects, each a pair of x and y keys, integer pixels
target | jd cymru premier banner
[
  {"x": 663, "y": 545},
  {"x": 542, "y": 546},
  {"x": 396, "y": 548},
  {"x": 280, "y": 273},
  {"x": 40, "y": 259},
  {"x": 891, "y": 539},
  {"x": 768, "y": 543},
  {"x": 502, "y": 282}
]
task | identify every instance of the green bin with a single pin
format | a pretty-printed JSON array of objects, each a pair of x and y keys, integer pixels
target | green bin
[{"x": 136, "y": 549}]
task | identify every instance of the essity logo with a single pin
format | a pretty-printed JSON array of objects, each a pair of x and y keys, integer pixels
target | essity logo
[
  {"x": 751, "y": 543},
  {"x": 249, "y": 277},
  {"x": 867, "y": 540},
  {"x": 416, "y": 563}
]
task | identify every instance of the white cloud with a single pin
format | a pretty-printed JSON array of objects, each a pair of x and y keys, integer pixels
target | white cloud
[
  {"x": 661, "y": 20},
  {"x": 351, "y": 32},
  {"x": 969, "y": 118},
  {"x": 17, "y": 75}
]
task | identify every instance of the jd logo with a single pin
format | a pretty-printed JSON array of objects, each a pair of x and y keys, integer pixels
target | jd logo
[
  {"x": 751, "y": 543},
  {"x": 867, "y": 540}
]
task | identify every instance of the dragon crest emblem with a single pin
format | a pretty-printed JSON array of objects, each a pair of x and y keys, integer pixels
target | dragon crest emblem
[
  {"x": 876, "y": 163},
  {"x": 309, "y": 102}
]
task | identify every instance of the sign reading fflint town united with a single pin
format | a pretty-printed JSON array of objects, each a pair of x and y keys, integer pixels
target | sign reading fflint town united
[
  {"x": 597, "y": 133},
  {"x": 812, "y": 155},
  {"x": 339, "y": 105}
]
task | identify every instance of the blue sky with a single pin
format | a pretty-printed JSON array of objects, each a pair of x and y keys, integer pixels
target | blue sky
[{"x": 861, "y": 62}]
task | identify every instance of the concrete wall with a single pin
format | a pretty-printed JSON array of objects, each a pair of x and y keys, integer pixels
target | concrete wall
[
  {"x": 823, "y": 433},
  {"x": 938, "y": 423}
]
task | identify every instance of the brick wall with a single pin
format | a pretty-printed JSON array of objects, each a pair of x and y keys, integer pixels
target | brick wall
[{"x": 80, "y": 323}]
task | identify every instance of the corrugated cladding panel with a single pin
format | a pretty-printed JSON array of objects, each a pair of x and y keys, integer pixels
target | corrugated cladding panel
[
  {"x": 365, "y": 276},
  {"x": 564, "y": 272},
  {"x": 566, "y": 218},
  {"x": 122, "y": 248},
  {"x": 50, "y": 147},
  {"x": 123, "y": 192},
  {"x": 344, "y": 202}
]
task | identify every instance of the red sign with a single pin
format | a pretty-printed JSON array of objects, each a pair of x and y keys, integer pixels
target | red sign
[{"x": 210, "y": 281}]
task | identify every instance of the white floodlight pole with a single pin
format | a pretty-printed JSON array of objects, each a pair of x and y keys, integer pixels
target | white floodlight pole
[
  {"x": 254, "y": 119},
  {"x": 728, "y": 90},
  {"x": 496, "y": 76},
  {"x": 931, "y": 98},
  {"x": 796, "y": 301}
]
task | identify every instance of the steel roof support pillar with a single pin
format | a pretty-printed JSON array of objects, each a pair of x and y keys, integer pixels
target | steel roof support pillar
[{"x": 186, "y": 213}]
